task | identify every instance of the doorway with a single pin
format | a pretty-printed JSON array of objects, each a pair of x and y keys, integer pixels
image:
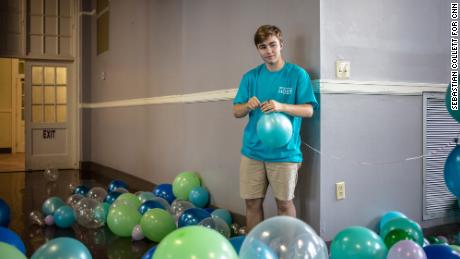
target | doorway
[{"x": 12, "y": 124}]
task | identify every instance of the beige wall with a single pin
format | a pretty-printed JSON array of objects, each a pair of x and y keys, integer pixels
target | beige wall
[{"x": 5, "y": 103}]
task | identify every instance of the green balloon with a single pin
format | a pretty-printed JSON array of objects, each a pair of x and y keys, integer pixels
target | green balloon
[
  {"x": 395, "y": 236},
  {"x": 128, "y": 199},
  {"x": 358, "y": 243},
  {"x": 9, "y": 251},
  {"x": 408, "y": 225},
  {"x": 122, "y": 219},
  {"x": 157, "y": 223},
  {"x": 196, "y": 241},
  {"x": 434, "y": 240},
  {"x": 454, "y": 113},
  {"x": 184, "y": 183}
]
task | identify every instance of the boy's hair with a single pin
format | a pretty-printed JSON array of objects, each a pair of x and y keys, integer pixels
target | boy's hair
[{"x": 265, "y": 31}]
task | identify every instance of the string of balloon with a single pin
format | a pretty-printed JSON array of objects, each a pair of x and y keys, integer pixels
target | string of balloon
[{"x": 399, "y": 161}]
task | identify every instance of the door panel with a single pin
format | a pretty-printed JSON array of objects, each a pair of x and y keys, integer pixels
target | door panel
[{"x": 48, "y": 124}]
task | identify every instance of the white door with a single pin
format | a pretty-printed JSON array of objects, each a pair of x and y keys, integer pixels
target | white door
[{"x": 50, "y": 116}]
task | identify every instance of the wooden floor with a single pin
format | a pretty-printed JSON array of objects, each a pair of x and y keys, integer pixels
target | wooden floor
[{"x": 12, "y": 162}]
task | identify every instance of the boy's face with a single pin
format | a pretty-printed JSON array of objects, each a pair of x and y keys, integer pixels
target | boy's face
[{"x": 270, "y": 50}]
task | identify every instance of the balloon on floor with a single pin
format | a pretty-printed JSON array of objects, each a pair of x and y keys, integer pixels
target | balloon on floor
[
  {"x": 359, "y": 243},
  {"x": 194, "y": 240},
  {"x": 283, "y": 237}
]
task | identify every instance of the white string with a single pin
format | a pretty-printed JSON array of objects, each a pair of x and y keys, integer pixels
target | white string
[{"x": 366, "y": 163}]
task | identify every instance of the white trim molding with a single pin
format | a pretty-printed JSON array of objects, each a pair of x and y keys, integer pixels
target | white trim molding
[
  {"x": 320, "y": 86},
  {"x": 376, "y": 87}
]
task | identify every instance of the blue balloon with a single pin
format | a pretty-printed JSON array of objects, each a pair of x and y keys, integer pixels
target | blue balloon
[
  {"x": 274, "y": 129},
  {"x": 115, "y": 184},
  {"x": 389, "y": 216},
  {"x": 81, "y": 189},
  {"x": 440, "y": 251},
  {"x": 452, "y": 171},
  {"x": 150, "y": 205},
  {"x": 199, "y": 196},
  {"x": 222, "y": 214},
  {"x": 165, "y": 191},
  {"x": 192, "y": 216},
  {"x": 237, "y": 242},
  {"x": 51, "y": 205},
  {"x": 64, "y": 217},
  {"x": 10, "y": 237},
  {"x": 5, "y": 213},
  {"x": 149, "y": 253},
  {"x": 62, "y": 247},
  {"x": 111, "y": 197}
]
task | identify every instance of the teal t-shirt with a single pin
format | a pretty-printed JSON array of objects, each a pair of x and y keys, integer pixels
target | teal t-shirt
[{"x": 290, "y": 85}]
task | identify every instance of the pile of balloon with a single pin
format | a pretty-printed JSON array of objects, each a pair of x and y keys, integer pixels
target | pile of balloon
[
  {"x": 399, "y": 238},
  {"x": 145, "y": 214}
]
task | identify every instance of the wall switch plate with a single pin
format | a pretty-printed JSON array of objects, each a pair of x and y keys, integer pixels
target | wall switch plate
[
  {"x": 340, "y": 190},
  {"x": 342, "y": 69}
]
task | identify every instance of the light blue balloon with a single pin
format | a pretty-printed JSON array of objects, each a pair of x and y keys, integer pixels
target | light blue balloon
[
  {"x": 199, "y": 196},
  {"x": 64, "y": 217},
  {"x": 10, "y": 237},
  {"x": 274, "y": 129},
  {"x": 389, "y": 216},
  {"x": 51, "y": 205},
  {"x": 62, "y": 247},
  {"x": 222, "y": 214},
  {"x": 452, "y": 171}
]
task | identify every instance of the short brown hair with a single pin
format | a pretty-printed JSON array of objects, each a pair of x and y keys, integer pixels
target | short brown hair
[{"x": 265, "y": 31}]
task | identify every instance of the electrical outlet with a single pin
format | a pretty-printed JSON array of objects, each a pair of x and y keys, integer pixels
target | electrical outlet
[
  {"x": 340, "y": 190},
  {"x": 342, "y": 69}
]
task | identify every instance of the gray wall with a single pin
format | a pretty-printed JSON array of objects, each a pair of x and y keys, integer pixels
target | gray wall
[
  {"x": 402, "y": 41},
  {"x": 399, "y": 41},
  {"x": 176, "y": 47},
  {"x": 162, "y": 48}
]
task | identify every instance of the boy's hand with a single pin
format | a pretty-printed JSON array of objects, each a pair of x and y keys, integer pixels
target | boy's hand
[
  {"x": 271, "y": 106},
  {"x": 253, "y": 103}
]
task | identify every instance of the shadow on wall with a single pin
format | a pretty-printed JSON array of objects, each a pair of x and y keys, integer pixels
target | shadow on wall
[{"x": 307, "y": 195}]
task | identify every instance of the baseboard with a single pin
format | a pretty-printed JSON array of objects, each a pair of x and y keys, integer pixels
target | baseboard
[
  {"x": 5, "y": 150},
  {"x": 104, "y": 175}
]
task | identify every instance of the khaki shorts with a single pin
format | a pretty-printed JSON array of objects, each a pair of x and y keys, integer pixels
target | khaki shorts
[{"x": 255, "y": 176}]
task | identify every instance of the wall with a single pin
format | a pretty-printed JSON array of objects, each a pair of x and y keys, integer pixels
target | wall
[
  {"x": 5, "y": 103},
  {"x": 386, "y": 41},
  {"x": 160, "y": 48},
  {"x": 402, "y": 41}
]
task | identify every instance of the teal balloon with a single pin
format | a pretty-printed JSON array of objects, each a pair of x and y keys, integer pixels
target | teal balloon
[
  {"x": 199, "y": 196},
  {"x": 64, "y": 217},
  {"x": 274, "y": 129},
  {"x": 62, "y": 247},
  {"x": 358, "y": 243},
  {"x": 389, "y": 216},
  {"x": 408, "y": 225},
  {"x": 51, "y": 205},
  {"x": 223, "y": 214},
  {"x": 452, "y": 171},
  {"x": 454, "y": 113}
]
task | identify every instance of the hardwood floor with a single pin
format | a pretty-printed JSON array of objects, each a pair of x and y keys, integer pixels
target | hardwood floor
[{"x": 12, "y": 162}]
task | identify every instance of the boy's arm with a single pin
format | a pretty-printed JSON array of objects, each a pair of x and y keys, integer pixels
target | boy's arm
[{"x": 300, "y": 110}]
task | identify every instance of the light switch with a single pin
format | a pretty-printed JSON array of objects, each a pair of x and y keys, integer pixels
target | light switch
[{"x": 342, "y": 69}]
